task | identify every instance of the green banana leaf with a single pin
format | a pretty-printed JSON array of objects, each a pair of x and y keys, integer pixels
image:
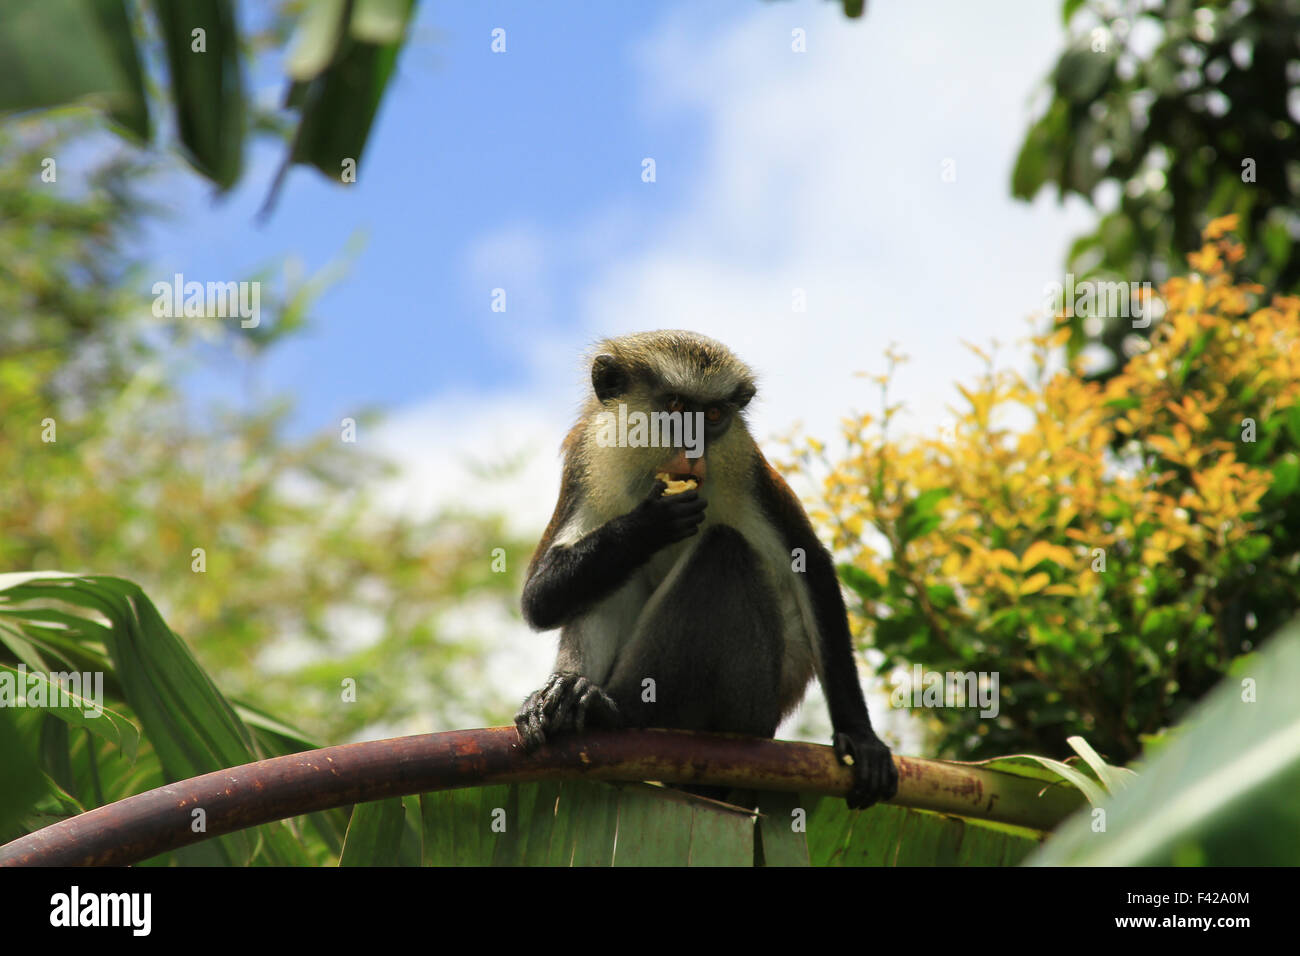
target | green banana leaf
[{"x": 1222, "y": 792}]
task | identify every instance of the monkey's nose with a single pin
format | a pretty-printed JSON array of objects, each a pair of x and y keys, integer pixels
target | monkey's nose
[{"x": 682, "y": 467}]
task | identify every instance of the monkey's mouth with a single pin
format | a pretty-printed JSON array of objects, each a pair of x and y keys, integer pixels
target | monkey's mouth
[{"x": 678, "y": 482}]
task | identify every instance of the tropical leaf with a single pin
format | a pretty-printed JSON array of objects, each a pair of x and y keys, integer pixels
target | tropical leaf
[
  {"x": 1222, "y": 791},
  {"x": 374, "y": 834},
  {"x": 1114, "y": 779},
  {"x": 201, "y": 39},
  {"x": 94, "y": 58},
  {"x": 75, "y": 709},
  {"x": 899, "y": 836},
  {"x": 190, "y": 728},
  {"x": 583, "y": 824}
]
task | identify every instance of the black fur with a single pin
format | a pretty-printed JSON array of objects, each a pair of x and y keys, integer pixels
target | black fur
[
  {"x": 565, "y": 581},
  {"x": 712, "y": 645},
  {"x": 875, "y": 776},
  {"x": 710, "y": 649},
  {"x": 609, "y": 378}
]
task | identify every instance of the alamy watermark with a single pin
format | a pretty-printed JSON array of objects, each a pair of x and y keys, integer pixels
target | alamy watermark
[
  {"x": 1103, "y": 300},
  {"x": 80, "y": 690},
  {"x": 922, "y": 688},
  {"x": 651, "y": 430},
  {"x": 213, "y": 300},
  {"x": 133, "y": 911}
]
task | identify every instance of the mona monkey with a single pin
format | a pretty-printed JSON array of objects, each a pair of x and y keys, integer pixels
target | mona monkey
[{"x": 688, "y": 610}]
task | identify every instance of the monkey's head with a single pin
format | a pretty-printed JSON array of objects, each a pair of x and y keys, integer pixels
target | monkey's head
[{"x": 667, "y": 401}]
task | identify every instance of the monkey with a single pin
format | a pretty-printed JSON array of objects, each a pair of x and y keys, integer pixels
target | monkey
[{"x": 709, "y": 609}]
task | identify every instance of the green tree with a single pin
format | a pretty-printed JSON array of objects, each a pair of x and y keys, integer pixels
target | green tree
[
  {"x": 342, "y": 54},
  {"x": 108, "y": 470},
  {"x": 1188, "y": 111},
  {"x": 1108, "y": 591}
]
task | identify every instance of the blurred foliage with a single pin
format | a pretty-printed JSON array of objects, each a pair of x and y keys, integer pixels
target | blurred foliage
[
  {"x": 852, "y": 8},
  {"x": 307, "y": 581},
  {"x": 150, "y": 716},
  {"x": 339, "y": 58},
  {"x": 1221, "y": 792},
  {"x": 66, "y": 275},
  {"x": 1189, "y": 111},
  {"x": 107, "y": 54},
  {"x": 1109, "y": 590}
]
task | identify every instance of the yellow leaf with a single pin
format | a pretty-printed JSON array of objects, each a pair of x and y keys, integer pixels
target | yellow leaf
[
  {"x": 1217, "y": 227},
  {"x": 1041, "y": 551},
  {"x": 1165, "y": 446},
  {"x": 1035, "y": 583},
  {"x": 1002, "y": 558},
  {"x": 1038, "y": 551},
  {"x": 1068, "y": 590}
]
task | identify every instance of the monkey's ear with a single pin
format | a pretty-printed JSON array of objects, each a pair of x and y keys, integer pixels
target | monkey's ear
[
  {"x": 741, "y": 396},
  {"x": 608, "y": 377}
]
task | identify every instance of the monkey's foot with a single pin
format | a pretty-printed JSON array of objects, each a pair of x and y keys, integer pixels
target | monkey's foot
[
  {"x": 875, "y": 777},
  {"x": 568, "y": 703}
]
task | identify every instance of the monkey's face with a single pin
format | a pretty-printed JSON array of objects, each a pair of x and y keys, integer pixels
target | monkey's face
[
  {"x": 665, "y": 402},
  {"x": 646, "y": 431}
]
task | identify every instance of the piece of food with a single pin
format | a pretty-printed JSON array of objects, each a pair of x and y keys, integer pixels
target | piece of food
[{"x": 676, "y": 487}]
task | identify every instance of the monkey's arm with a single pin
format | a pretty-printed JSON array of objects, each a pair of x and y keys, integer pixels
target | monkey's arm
[
  {"x": 565, "y": 580},
  {"x": 875, "y": 776}
]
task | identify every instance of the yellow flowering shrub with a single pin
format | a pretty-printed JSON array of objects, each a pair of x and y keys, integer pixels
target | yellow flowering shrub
[{"x": 1105, "y": 549}]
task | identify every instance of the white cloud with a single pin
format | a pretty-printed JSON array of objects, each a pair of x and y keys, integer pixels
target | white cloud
[
  {"x": 823, "y": 174},
  {"x": 493, "y": 453},
  {"x": 513, "y": 254}
]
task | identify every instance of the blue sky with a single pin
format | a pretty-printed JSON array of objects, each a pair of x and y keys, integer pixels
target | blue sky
[
  {"x": 467, "y": 142},
  {"x": 522, "y": 170}
]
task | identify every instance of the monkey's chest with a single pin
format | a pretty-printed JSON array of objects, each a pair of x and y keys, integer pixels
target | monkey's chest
[{"x": 721, "y": 593}]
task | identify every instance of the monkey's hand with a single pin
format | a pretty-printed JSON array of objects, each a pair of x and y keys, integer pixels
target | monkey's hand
[
  {"x": 875, "y": 777},
  {"x": 568, "y": 703},
  {"x": 661, "y": 520}
]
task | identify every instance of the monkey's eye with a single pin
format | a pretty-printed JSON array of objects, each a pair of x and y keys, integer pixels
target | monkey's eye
[
  {"x": 714, "y": 413},
  {"x": 675, "y": 404}
]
